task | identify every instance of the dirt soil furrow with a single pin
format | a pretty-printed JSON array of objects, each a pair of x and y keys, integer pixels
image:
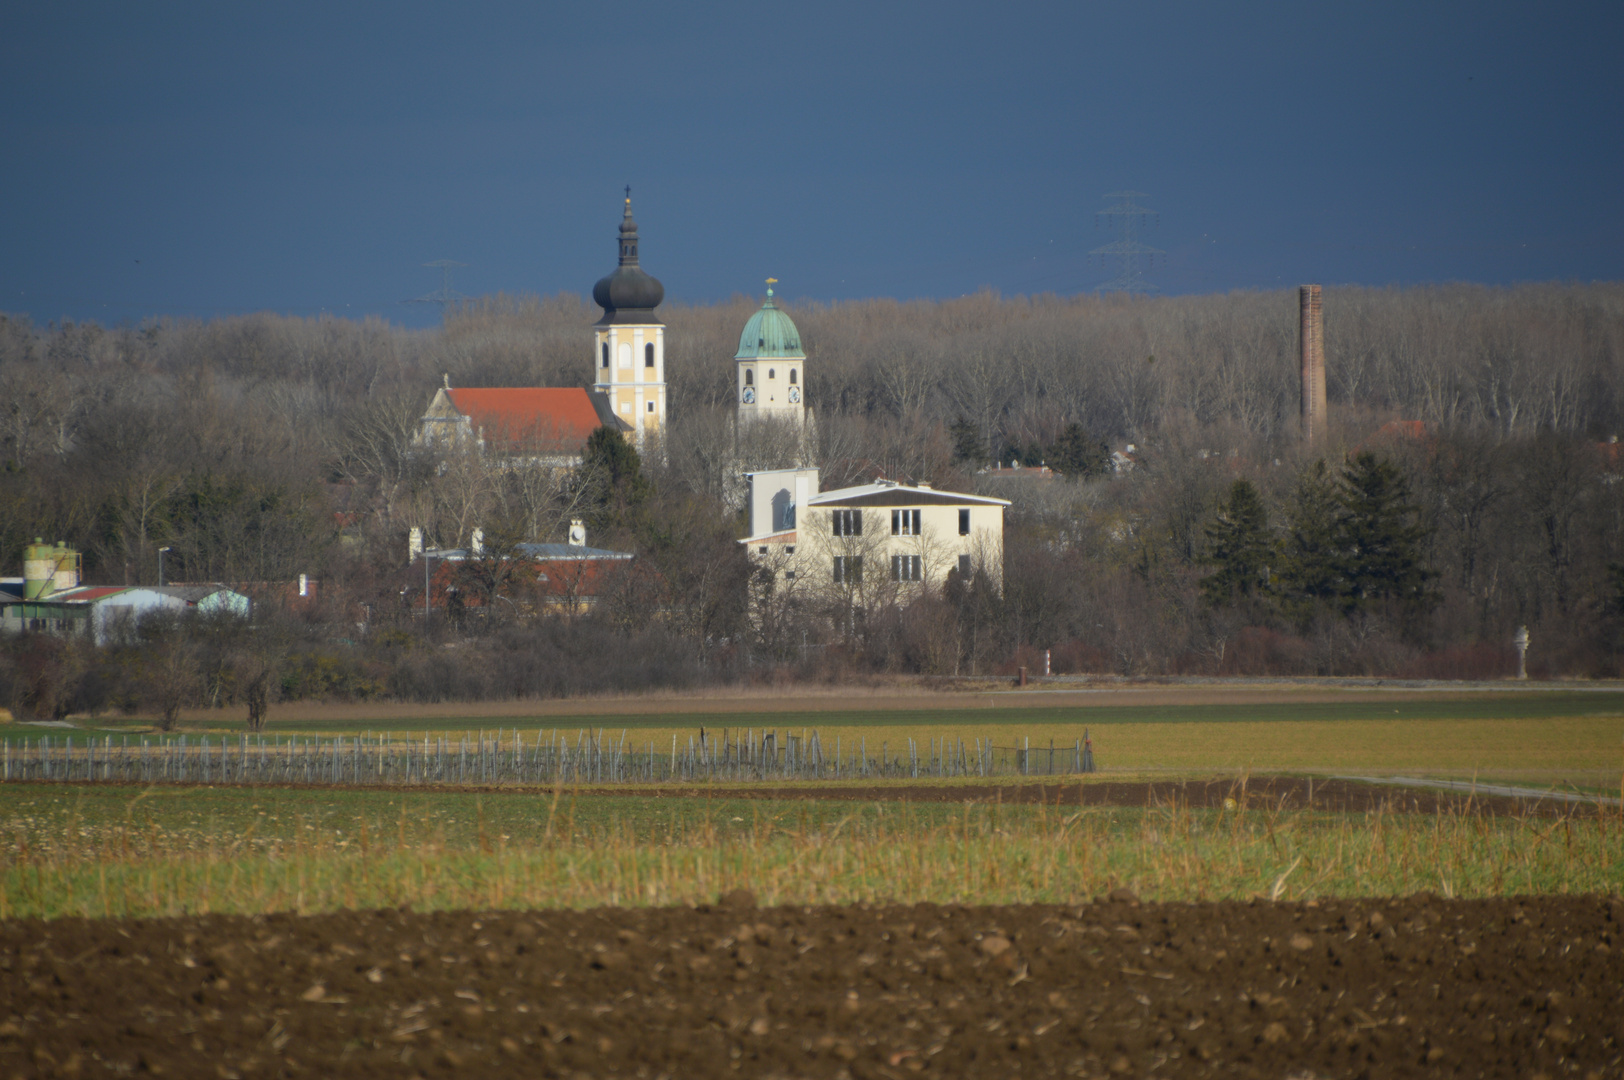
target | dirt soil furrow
[{"x": 1419, "y": 986}]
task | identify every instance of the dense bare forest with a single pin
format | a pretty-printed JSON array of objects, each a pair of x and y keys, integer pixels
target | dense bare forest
[{"x": 260, "y": 447}]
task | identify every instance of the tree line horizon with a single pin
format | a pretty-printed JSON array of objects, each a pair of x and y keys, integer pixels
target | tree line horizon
[{"x": 260, "y": 447}]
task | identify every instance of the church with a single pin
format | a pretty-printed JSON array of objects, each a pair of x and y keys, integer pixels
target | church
[
  {"x": 549, "y": 426},
  {"x": 849, "y": 539}
]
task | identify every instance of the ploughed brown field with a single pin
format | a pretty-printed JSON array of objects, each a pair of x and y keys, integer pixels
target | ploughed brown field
[{"x": 1420, "y": 986}]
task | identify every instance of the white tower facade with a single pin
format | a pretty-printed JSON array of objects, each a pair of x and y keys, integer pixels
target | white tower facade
[{"x": 771, "y": 366}]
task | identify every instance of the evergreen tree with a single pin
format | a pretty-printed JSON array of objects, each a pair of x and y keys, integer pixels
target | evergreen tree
[
  {"x": 1077, "y": 454},
  {"x": 613, "y": 473},
  {"x": 967, "y": 444},
  {"x": 1241, "y": 549},
  {"x": 1381, "y": 536},
  {"x": 1312, "y": 570}
]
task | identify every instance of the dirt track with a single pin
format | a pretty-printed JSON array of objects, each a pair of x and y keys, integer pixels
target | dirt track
[{"x": 1417, "y": 987}]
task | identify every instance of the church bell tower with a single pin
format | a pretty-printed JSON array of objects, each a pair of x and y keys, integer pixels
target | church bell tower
[
  {"x": 629, "y": 341},
  {"x": 769, "y": 365}
]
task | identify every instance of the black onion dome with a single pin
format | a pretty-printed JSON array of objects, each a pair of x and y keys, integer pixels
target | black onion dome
[{"x": 628, "y": 295}]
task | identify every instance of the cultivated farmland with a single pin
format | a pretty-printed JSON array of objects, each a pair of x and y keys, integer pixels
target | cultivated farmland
[{"x": 1179, "y": 913}]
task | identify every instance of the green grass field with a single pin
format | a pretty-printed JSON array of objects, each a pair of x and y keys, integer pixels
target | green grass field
[
  {"x": 128, "y": 852},
  {"x": 124, "y": 850},
  {"x": 1553, "y": 739}
]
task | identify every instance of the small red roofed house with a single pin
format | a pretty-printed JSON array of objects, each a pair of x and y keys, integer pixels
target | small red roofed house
[
  {"x": 1395, "y": 433},
  {"x": 540, "y": 425},
  {"x": 1611, "y": 454},
  {"x": 536, "y": 579},
  {"x": 1393, "y": 430}
]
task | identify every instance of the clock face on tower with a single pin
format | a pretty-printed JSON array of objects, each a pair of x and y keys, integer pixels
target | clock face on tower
[
  {"x": 794, "y": 394},
  {"x": 749, "y": 396}
]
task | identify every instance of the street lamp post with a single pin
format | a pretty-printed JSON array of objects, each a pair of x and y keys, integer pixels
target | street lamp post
[{"x": 161, "y": 566}]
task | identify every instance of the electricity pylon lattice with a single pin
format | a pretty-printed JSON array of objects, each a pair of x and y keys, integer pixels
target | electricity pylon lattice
[
  {"x": 1126, "y": 216},
  {"x": 445, "y": 296}
]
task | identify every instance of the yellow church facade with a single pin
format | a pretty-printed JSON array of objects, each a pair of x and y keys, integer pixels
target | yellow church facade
[{"x": 629, "y": 341}]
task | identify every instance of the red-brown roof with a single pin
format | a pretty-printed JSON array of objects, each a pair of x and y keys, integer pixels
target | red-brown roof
[
  {"x": 1402, "y": 429},
  {"x": 513, "y": 413},
  {"x": 556, "y": 580},
  {"x": 87, "y": 592}
]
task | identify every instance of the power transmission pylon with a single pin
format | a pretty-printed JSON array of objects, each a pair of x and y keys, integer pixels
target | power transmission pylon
[
  {"x": 446, "y": 296},
  {"x": 1126, "y": 216}
]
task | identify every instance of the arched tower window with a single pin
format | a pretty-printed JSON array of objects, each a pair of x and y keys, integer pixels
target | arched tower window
[
  {"x": 772, "y": 373},
  {"x": 792, "y": 379},
  {"x": 648, "y": 355},
  {"x": 749, "y": 377},
  {"x": 606, "y": 354}
]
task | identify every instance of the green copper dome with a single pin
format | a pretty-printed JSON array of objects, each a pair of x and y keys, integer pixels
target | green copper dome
[{"x": 770, "y": 333}]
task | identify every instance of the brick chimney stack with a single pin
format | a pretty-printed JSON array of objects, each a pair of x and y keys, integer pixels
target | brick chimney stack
[{"x": 1312, "y": 338}]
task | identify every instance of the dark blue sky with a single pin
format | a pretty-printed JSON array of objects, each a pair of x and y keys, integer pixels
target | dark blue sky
[{"x": 209, "y": 158}]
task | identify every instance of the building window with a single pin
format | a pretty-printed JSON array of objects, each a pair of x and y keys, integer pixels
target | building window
[
  {"x": 907, "y": 568},
  {"x": 789, "y": 549},
  {"x": 905, "y": 523},
  {"x": 651, "y": 406},
  {"x": 964, "y": 523},
  {"x": 964, "y": 567},
  {"x": 749, "y": 377},
  {"x": 789, "y": 575},
  {"x": 648, "y": 355},
  {"x": 792, "y": 379},
  {"x": 606, "y": 354},
  {"x": 848, "y": 569},
  {"x": 848, "y": 522},
  {"x": 772, "y": 373},
  {"x": 763, "y": 549}
]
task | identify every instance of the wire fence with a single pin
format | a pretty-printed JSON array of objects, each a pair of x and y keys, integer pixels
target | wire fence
[{"x": 512, "y": 757}]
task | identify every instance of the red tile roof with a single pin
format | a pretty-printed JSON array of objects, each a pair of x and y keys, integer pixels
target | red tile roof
[
  {"x": 557, "y": 580},
  {"x": 527, "y": 413},
  {"x": 1403, "y": 429},
  {"x": 84, "y": 592}
]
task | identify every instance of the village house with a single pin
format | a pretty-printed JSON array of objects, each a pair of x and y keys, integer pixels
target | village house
[
  {"x": 883, "y": 537},
  {"x": 530, "y": 580}
]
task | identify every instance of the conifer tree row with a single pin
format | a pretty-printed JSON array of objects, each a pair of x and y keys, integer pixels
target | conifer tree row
[{"x": 1348, "y": 542}]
